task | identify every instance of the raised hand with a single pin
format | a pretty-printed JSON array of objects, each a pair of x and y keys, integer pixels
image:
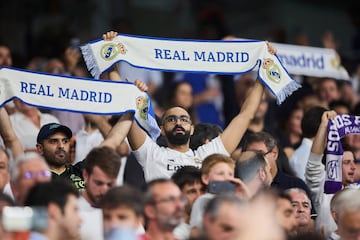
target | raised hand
[
  {"x": 271, "y": 49},
  {"x": 109, "y": 35},
  {"x": 141, "y": 85}
]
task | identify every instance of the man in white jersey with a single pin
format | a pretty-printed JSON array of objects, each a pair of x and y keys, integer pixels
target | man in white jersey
[{"x": 176, "y": 126}]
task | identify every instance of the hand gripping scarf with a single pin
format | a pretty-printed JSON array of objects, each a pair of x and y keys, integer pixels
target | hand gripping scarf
[
  {"x": 338, "y": 128},
  {"x": 78, "y": 95},
  {"x": 178, "y": 55}
]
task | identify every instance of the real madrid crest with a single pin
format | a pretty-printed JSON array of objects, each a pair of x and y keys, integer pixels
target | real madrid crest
[
  {"x": 110, "y": 50},
  {"x": 272, "y": 70},
  {"x": 197, "y": 160},
  {"x": 142, "y": 106}
]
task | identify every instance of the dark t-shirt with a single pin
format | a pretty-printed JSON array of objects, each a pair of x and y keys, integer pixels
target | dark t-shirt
[{"x": 72, "y": 173}]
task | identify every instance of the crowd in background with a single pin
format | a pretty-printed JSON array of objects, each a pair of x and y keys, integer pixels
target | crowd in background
[{"x": 216, "y": 129}]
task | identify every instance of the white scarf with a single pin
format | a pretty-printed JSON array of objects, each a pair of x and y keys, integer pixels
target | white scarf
[
  {"x": 311, "y": 61},
  {"x": 78, "y": 95},
  {"x": 225, "y": 57}
]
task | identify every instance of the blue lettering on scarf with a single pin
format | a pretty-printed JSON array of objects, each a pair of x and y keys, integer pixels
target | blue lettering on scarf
[
  {"x": 36, "y": 89},
  {"x": 302, "y": 61},
  {"x": 221, "y": 56},
  {"x": 84, "y": 95},
  {"x": 167, "y": 54}
]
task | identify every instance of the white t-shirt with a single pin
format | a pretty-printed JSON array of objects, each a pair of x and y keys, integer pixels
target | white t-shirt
[
  {"x": 198, "y": 209},
  {"x": 182, "y": 231},
  {"x": 85, "y": 142},
  {"x": 163, "y": 162},
  {"x": 26, "y": 130},
  {"x": 92, "y": 225}
]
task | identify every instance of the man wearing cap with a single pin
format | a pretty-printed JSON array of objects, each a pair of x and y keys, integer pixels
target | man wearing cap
[{"x": 53, "y": 143}]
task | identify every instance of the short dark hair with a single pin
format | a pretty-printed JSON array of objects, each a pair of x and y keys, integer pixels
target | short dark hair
[
  {"x": 56, "y": 191},
  {"x": 311, "y": 121},
  {"x": 186, "y": 175},
  {"x": 106, "y": 158},
  {"x": 269, "y": 141},
  {"x": 202, "y": 132},
  {"x": 149, "y": 194},
  {"x": 124, "y": 196},
  {"x": 213, "y": 206},
  {"x": 247, "y": 169}
]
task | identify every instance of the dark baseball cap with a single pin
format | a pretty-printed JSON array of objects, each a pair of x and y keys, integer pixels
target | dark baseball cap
[{"x": 51, "y": 128}]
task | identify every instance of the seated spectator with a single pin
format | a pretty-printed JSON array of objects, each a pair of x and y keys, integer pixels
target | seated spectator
[
  {"x": 224, "y": 217},
  {"x": 346, "y": 212},
  {"x": 215, "y": 167},
  {"x": 327, "y": 90},
  {"x": 122, "y": 209},
  {"x": 27, "y": 171},
  {"x": 254, "y": 171},
  {"x": 188, "y": 178},
  {"x": 285, "y": 214},
  {"x": 266, "y": 143},
  {"x": 302, "y": 207},
  {"x": 101, "y": 167},
  {"x": 59, "y": 198},
  {"x": 163, "y": 210},
  {"x": 53, "y": 143}
]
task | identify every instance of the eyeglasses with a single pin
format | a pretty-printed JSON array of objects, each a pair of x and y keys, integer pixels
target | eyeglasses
[
  {"x": 171, "y": 199},
  {"x": 172, "y": 119},
  {"x": 267, "y": 152},
  {"x": 42, "y": 173}
]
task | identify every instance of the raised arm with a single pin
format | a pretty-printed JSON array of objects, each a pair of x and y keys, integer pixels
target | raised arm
[
  {"x": 319, "y": 143},
  {"x": 237, "y": 127},
  {"x": 119, "y": 131},
  {"x": 8, "y": 135},
  {"x": 113, "y": 74},
  {"x": 136, "y": 135}
]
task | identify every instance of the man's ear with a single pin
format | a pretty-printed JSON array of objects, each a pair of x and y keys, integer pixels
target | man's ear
[
  {"x": 54, "y": 211},
  {"x": 205, "y": 179},
  {"x": 192, "y": 128},
  {"x": 149, "y": 211},
  {"x": 40, "y": 148},
  {"x": 335, "y": 216},
  {"x": 162, "y": 130},
  {"x": 276, "y": 152},
  {"x": 262, "y": 174},
  {"x": 85, "y": 175}
]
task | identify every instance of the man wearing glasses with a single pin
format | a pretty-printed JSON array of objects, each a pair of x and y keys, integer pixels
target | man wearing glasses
[
  {"x": 27, "y": 171},
  {"x": 164, "y": 209},
  {"x": 177, "y": 128}
]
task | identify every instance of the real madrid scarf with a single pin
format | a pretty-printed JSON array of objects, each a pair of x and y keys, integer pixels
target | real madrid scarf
[
  {"x": 78, "y": 95},
  {"x": 225, "y": 57},
  {"x": 338, "y": 128},
  {"x": 310, "y": 61}
]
